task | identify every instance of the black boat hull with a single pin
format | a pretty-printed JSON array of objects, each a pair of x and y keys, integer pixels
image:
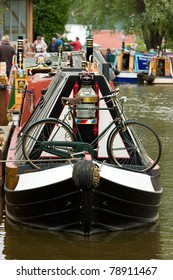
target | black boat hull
[{"x": 63, "y": 206}]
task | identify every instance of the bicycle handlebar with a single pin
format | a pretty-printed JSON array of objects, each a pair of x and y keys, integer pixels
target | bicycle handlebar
[
  {"x": 71, "y": 101},
  {"x": 113, "y": 94},
  {"x": 78, "y": 99}
]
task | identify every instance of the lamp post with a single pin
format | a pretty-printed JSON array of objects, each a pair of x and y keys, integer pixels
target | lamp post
[{"x": 123, "y": 42}]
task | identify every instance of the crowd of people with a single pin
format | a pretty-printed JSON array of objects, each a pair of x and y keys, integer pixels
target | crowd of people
[
  {"x": 57, "y": 43},
  {"x": 38, "y": 46}
]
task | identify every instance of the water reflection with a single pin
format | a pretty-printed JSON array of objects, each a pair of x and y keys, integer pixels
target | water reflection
[
  {"x": 28, "y": 244},
  {"x": 154, "y": 106}
]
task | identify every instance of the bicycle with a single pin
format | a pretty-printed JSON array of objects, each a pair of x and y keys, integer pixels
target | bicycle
[{"x": 131, "y": 144}]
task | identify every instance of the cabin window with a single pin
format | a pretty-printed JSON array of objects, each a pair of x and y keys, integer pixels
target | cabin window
[
  {"x": 160, "y": 67},
  {"x": 125, "y": 62}
]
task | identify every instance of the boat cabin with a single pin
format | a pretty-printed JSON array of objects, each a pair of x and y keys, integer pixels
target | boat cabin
[
  {"x": 125, "y": 61},
  {"x": 161, "y": 66},
  {"x": 131, "y": 61}
]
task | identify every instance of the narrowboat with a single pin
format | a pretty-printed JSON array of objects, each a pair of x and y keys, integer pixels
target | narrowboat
[
  {"x": 131, "y": 66},
  {"x": 58, "y": 185},
  {"x": 160, "y": 71}
]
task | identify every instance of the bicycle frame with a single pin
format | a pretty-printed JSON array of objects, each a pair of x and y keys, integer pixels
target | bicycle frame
[
  {"x": 101, "y": 135},
  {"x": 65, "y": 139}
]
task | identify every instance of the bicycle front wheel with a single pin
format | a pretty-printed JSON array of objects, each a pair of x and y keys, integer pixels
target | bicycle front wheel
[
  {"x": 37, "y": 133},
  {"x": 134, "y": 146}
]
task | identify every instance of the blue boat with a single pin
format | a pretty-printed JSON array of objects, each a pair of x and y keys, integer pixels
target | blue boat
[{"x": 131, "y": 66}]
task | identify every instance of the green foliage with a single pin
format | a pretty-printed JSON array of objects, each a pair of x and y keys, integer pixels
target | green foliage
[
  {"x": 93, "y": 12},
  {"x": 150, "y": 18},
  {"x": 2, "y": 10},
  {"x": 50, "y": 17},
  {"x": 141, "y": 47}
]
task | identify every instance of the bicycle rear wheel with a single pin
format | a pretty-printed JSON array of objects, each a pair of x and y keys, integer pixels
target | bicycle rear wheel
[
  {"x": 44, "y": 130},
  {"x": 135, "y": 147}
]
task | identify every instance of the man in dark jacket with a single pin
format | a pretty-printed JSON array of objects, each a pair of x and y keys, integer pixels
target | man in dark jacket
[
  {"x": 6, "y": 53},
  {"x": 53, "y": 46}
]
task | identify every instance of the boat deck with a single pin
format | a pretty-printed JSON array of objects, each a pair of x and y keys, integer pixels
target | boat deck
[
  {"x": 44, "y": 177},
  {"x": 60, "y": 173}
]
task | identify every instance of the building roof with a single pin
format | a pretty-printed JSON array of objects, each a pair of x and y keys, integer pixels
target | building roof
[{"x": 111, "y": 39}]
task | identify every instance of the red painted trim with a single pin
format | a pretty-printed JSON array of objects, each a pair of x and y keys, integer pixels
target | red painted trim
[{"x": 12, "y": 149}]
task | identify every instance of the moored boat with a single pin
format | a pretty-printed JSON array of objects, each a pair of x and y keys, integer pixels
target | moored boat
[
  {"x": 65, "y": 173},
  {"x": 45, "y": 65},
  {"x": 53, "y": 200},
  {"x": 160, "y": 71},
  {"x": 131, "y": 66}
]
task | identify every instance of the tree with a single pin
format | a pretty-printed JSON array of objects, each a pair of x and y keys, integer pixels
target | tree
[
  {"x": 50, "y": 17},
  {"x": 2, "y": 11},
  {"x": 141, "y": 17}
]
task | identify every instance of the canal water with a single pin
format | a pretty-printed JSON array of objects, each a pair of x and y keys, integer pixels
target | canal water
[{"x": 154, "y": 106}]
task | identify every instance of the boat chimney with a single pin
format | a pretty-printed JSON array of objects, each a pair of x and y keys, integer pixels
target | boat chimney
[
  {"x": 89, "y": 50},
  {"x": 20, "y": 52}
]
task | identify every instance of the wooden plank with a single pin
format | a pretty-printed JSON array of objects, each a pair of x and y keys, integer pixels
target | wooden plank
[
  {"x": 4, "y": 143},
  {"x": 3, "y": 108}
]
